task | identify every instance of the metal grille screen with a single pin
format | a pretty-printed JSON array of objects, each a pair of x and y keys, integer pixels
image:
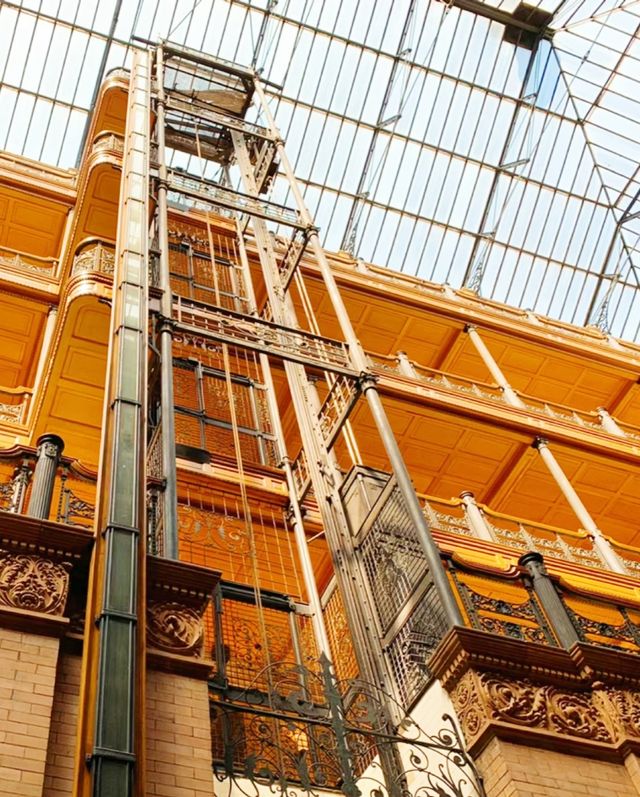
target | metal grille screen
[{"x": 410, "y": 616}]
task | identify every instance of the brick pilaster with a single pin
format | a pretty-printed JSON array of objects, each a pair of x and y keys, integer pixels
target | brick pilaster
[{"x": 27, "y": 683}]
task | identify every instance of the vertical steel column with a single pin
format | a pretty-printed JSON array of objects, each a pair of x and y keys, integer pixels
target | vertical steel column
[
  {"x": 325, "y": 476},
  {"x": 308, "y": 575},
  {"x": 510, "y": 396},
  {"x": 122, "y": 492},
  {"x": 50, "y": 447},
  {"x": 369, "y": 389},
  {"x": 609, "y": 556},
  {"x": 168, "y": 436},
  {"x": 553, "y": 607}
]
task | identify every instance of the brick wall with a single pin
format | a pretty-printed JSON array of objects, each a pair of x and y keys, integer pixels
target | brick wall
[
  {"x": 27, "y": 681},
  {"x": 178, "y": 737},
  {"x": 512, "y": 770},
  {"x": 58, "y": 781}
]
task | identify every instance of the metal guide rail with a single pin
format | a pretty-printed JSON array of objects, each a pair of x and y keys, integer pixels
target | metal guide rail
[
  {"x": 239, "y": 329},
  {"x": 336, "y": 408},
  {"x": 192, "y": 186},
  {"x": 177, "y": 102}
]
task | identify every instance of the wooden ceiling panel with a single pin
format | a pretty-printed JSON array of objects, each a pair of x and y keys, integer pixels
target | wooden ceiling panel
[
  {"x": 80, "y": 366},
  {"x": 84, "y": 408},
  {"x": 92, "y": 325},
  {"x": 30, "y": 224},
  {"x": 99, "y": 211},
  {"x": 21, "y": 323}
]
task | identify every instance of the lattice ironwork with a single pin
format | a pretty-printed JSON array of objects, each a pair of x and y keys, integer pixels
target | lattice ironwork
[
  {"x": 407, "y": 608},
  {"x": 516, "y": 613},
  {"x": 343, "y": 740},
  {"x": 196, "y": 322},
  {"x": 335, "y": 409},
  {"x": 204, "y": 191},
  {"x": 342, "y": 650},
  {"x": 203, "y": 414},
  {"x": 604, "y": 623},
  {"x": 392, "y": 558}
]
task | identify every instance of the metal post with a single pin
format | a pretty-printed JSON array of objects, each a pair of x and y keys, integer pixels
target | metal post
[
  {"x": 475, "y": 517},
  {"x": 510, "y": 396},
  {"x": 50, "y": 448},
  {"x": 608, "y": 423},
  {"x": 608, "y": 555},
  {"x": 168, "y": 436},
  {"x": 359, "y": 360},
  {"x": 546, "y": 592},
  {"x": 297, "y": 523}
]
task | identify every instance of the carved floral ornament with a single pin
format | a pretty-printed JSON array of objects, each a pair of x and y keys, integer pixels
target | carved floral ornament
[
  {"x": 32, "y": 583},
  {"x": 175, "y": 628},
  {"x": 604, "y": 714}
]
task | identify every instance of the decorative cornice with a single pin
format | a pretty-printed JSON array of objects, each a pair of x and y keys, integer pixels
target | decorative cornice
[
  {"x": 178, "y": 596},
  {"x": 586, "y": 700},
  {"x": 463, "y": 649},
  {"x": 33, "y": 583},
  {"x": 36, "y": 561}
]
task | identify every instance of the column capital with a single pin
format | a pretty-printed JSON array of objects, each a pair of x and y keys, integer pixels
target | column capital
[
  {"x": 540, "y": 442},
  {"x": 50, "y": 445},
  {"x": 469, "y": 495},
  {"x": 533, "y": 562},
  {"x": 470, "y": 328}
]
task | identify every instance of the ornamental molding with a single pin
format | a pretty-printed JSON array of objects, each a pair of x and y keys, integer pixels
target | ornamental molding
[
  {"x": 586, "y": 697},
  {"x": 175, "y": 628},
  {"x": 33, "y": 583},
  {"x": 463, "y": 649},
  {"x": 493, "y": 705},
  {"x": 178, "y": 594}
]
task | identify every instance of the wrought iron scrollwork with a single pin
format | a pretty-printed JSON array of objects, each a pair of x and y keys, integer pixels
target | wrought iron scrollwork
[{"x": 309, "y": 732}]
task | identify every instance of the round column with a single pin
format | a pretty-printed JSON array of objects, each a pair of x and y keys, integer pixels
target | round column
[{"x": 50, "y": 448}]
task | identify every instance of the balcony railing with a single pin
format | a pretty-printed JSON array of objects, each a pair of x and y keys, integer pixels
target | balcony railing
[
  {"x": 94, "y": 256},
  {"x": 402, "y": 366},
  {"x": 14, "y": 404},
  {"x": 73, "y": 493},
  {"x": 522, "y": 536},
  {"x": 15, "y": 260}
]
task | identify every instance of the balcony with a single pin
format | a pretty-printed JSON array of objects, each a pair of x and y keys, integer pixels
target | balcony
[
  {"x": 446, "y": 385},
  {"x": 73, "y": 489},
  {"x": 14, "y": 261},
  {"x": 14, "y": 405},
  {"x": 94, "y": 256}
]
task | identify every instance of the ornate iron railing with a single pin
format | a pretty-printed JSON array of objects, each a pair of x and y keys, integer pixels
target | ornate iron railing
[
  {"x": 340, "y": 740},
  {"x": 524, "y": 535},
  {"x": 401, "y": 365},
  {"x": 73, "y": 499},
  {"x": 516, "y": 613}
]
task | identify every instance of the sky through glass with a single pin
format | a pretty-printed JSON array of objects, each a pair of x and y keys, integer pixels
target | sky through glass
[{"x": 486, "y": 144}]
